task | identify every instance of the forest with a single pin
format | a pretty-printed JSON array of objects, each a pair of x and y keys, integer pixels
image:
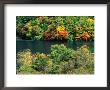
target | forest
[{"x": 67, "y": 48}]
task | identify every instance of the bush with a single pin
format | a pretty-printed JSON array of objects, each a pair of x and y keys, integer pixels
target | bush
[
  {"x": 84, "y": 61},
  {"x": 26, "y": 70},
  {"x": 61, "y": 60},
  {"x": 61, "y": 53},
  {"x": 24, "y": 62},
  {"x": 39, "y": 62},
  {"x": 55, "y": 27},
  {"x": 24, "y": 58}
]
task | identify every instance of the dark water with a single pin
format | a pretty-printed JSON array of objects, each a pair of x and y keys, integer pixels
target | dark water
[{"x": 44, "y": 46}]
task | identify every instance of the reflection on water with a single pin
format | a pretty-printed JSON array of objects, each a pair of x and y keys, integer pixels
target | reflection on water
[{"x": 44, "y": 46}]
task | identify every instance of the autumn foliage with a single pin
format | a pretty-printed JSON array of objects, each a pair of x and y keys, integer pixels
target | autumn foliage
[{"x": 55, "y": 27}]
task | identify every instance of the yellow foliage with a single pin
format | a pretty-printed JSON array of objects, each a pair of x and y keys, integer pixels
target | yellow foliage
[
  {"x": 60, "y": 28},
  {"x": 49, "y": 62},
  {"x": 90, "y": 20}
]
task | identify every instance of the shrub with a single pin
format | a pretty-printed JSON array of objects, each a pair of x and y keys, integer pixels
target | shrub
[
  {"x": 24, "y": 62},
  {"x": 84, "y": 60},
  {"x": 55, "y": 27},
  {"x": 61, "y": 53},
  {"x": 25, "y": 57},
  {"x": 39, "y": 62},
  {"x": 61, "y": 60},
  {"x": 26, "y": 70}
]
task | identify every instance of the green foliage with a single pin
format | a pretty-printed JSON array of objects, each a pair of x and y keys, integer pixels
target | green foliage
[
  {"x": 46, "y": 27},
  {"x": 84, "y": 61},
  {"x": 61, "y": 53},
  {"x": 26, "y": 70},
  {"x": 24, "y": 19},
  {"x": 61, "y": 60},
  {"x": 39, "y": 62}
]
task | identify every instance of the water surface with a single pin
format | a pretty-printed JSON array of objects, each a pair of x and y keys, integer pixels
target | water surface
[{"x": 44, "y": 46}]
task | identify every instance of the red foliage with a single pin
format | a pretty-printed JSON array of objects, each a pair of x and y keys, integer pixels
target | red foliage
[{"x": 48, "y": 36}]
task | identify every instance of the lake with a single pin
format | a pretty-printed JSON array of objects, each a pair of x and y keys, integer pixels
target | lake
[{"x": 44, "y": 46}]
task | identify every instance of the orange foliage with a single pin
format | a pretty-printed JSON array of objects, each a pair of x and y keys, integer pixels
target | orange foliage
[
  {"x": 63, "y": 33},
  {"x": 85, "y": 36}
]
